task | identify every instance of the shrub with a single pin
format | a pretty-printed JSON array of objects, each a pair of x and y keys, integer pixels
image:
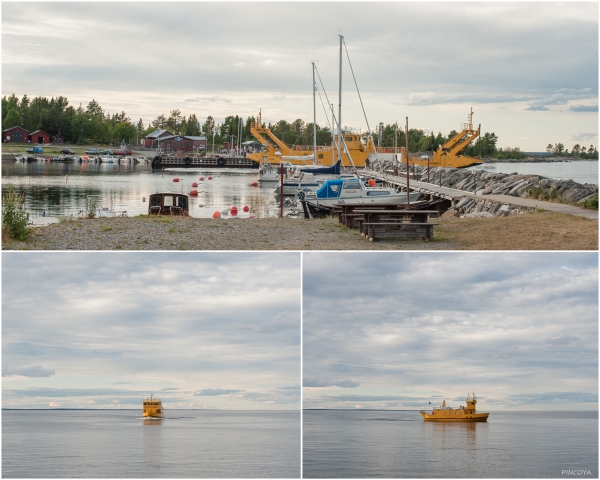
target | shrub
[
  {"x": 14, "y": 216},
  {"x": 591, "y": 203},
  {"x": 90, "y": 209}
]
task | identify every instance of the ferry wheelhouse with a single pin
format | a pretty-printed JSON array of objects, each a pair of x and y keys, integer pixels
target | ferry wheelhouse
[{"x": 169, "y": 204}]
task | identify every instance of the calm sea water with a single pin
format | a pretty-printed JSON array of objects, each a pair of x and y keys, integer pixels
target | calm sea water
[
  {"x": 361, "y": 444},
  {"x": 580, "y": 171},
  {"x": 55, "y": 189},
  {"x": 187, "y": 443}
]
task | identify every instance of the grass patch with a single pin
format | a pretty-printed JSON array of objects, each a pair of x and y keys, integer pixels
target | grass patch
[
  {"x": 104, "y": 228},
  {"x": 14, "y": 216}
]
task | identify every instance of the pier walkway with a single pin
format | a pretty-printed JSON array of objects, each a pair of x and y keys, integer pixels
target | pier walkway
[{"x": 455, "y": 195}]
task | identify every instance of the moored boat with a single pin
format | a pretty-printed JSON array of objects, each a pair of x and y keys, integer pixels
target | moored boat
[
  {"x": 353, "y": 190},
  {"x": 152, "y": 407},
  {"x": 467, "y": 413}
]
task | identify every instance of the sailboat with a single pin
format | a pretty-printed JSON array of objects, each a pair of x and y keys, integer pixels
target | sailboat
[{"x": 353, "y": 190}]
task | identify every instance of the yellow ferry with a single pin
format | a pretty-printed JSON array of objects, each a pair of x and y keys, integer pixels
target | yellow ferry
[
  {"x": 460, "y": 414},
  {"x": 152, "y": 408}
]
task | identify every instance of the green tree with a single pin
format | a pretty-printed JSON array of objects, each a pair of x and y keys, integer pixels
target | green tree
[
  {"x": 13, "y": 119},
  {"x": 192, "y": 126},
  {"x": 549, "y": 148},
  {"x": 123, "y": 131},
  {"x": 576, "y": 150},
  {"x": 208, "y": 127},
  {"x": 558, "y": 149}
]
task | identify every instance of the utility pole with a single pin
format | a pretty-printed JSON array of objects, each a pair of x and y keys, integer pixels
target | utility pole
[{"x": 407, "y": 172}]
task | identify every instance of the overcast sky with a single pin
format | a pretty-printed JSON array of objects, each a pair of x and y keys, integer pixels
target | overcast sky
[
  {"x": 395, "y": 331},
  {"x": 104, "y": 330},
  {"x": 529, "y": 70}
]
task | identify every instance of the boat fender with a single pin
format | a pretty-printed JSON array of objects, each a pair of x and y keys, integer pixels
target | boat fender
[
  {"x": 155, "y": 161},
  {"x": 301, "y": 195},
  {"x": 187, "y": 160},
  {"x": 221, "y": 162}
]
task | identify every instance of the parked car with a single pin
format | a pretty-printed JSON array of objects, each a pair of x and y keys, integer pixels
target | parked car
[
  {"x": 67, "y": 151},
  {"x": 93, "y": 151},
  {"x": 35, "y": 149},
  {"x": 123, "y": 151},
  {"x": 107, "y": 151}
]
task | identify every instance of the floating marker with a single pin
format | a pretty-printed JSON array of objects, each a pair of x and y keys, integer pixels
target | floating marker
[
  {"x": 254, "y": 184},
  {"x": 210, "y": 178},
  {"x": 201, "y": 179},
  {"x": 217, "y": 215},
  {"x": 194, "y": 193},
  {"x": 175, "y": 179},
  {"x": 246, "y": 208},
  {"x": 194, "y": 184}
]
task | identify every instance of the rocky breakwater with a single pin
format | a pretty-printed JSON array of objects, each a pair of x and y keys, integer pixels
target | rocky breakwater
[{"x": 482, "y": 183}]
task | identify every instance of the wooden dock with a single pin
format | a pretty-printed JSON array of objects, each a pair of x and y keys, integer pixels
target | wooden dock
[
  {"x": 455, "y": 195},
  {"x": 204, "y": 162}
]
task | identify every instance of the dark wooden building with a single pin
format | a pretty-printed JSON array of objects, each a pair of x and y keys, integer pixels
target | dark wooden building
[
  {"x": 183, "y": 143},
  {"x": 58, "y": 139},
  {"x": 151, "y": 140},
  {"x": 15, "y": 135},
  {"x": 39, "y": 136}
]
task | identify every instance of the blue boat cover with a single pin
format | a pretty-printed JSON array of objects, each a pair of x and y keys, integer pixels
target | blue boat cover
[
  {"x": 330, "y": 189},
  {"x": 333, "y": 170}
]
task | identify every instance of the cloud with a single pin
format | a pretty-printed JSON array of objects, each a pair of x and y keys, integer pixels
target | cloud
[
  {"x": 373, "y": 318},
  {"x": 537, "y": 108},
  {"x": 562, "y": 339},
  {"x": 32, "y": 372},
  {"x": 584, "y": 108},
  {"x": 209, "y": 392},
  {"x": 579, "y": 137},
  {"x": 317, "y": 382},
  {"x": 164, "y": 323}
]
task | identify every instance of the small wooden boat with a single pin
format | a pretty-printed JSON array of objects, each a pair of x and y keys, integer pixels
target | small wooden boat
[{"x": 169, "y": 204}]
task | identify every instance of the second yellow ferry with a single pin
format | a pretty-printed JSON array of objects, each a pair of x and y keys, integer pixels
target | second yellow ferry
[{"x": 460, "y": 414}]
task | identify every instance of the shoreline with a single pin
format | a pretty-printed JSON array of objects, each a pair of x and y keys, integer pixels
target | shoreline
[{"x": 538, "y": 230}]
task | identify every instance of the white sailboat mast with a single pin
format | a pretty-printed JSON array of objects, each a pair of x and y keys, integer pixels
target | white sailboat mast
[
  {"x": 340, "y": 106},
  {"x": 314, "y": 117}
]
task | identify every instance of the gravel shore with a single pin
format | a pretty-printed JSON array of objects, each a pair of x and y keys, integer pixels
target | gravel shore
[
  {"x": 186, "y": 233},
  {"x": 531, "y": 231}
]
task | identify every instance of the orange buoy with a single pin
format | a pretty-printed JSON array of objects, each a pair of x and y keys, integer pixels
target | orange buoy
[
  {"x": 194, "y": 184},
  {"x": 217, "y": 214},
  {"x": 254, "y": 184},
  {"x": 210, "y": 178},
  {"x": 194, "y": 193},
  {"x": 372, "y": 182},
  {"x": 175, "y": 179},
  {"x": 246, "y": 208},
  {"x": 201, "y": 179}
]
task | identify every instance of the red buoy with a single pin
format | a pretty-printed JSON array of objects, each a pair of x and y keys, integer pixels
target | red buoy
[
  {"x": 210, "y": 178},
  {"x": 201, "y": 179},
  {"x": 194, "y": 184},
  {"x": 175, "y": 179},
  {"x": 194, "y": 193},
  {"x": 372, "y": 182},
  {"x": 254, "y": 184},
  {"x": 246, "y": 208},
  {"x": 217, "y": 214},
  {"x": 234, "y": 211}
]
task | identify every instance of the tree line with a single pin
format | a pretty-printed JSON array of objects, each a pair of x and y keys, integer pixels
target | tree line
[
  {"x": 577, "y": 151},
  {"x": 93, "y": 125}
]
